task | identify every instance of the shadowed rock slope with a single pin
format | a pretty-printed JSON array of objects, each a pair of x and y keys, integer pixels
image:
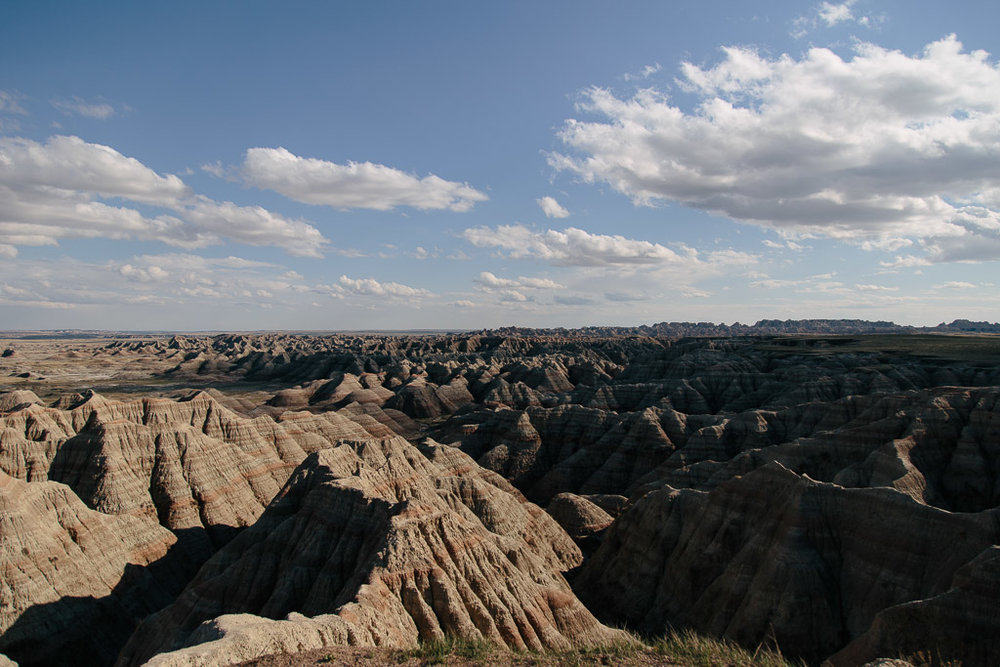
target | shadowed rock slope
[
  {"x": 62, "y": 568},
  {"x": 878, "y": 537},
  {"x": 380, "y": 543}
]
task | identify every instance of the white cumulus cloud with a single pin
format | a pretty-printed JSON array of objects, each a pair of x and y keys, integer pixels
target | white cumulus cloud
[
  {"x": 143, "y": 275},
  {"x": 71, "y": 164},
  {"x": 879, "y": 146},
  {"x": 69, "y": 188},
  {"x": 372, "y": 287},
  {"x": 352, "y": 185},
  {"x": 831, "y": 14},
  {"x": 598, "y": 264},
  {"x": 254, "y": 225},
  {"x": 551, "y": 208},
  {"x": 571, "y": 246},
  {"x": 491, "y": 281}
]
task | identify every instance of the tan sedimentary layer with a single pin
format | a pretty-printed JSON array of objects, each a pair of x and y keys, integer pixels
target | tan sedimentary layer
[
  {"x": 188, "y": 464},
  {"x": 54, "y": 548},
  {"x": 382, "y": 543}
]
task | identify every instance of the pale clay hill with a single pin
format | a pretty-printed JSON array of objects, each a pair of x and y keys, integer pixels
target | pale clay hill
[
  {"x": 838, "y": 496},
  {"x": 379, "y": 543}
]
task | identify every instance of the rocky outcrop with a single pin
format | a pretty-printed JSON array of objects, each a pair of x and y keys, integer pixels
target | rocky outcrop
[
  {"x": 74, "y": 580},
  {"x": 15, "y": 400},
  {"x": 545, "y": 451},
  {"x": 582, "y": 519},
  {"x": 189, "y": 464},
  {"x": 382, "y": 543},
  {"x": 578, "y": 516},
  {"x": 422, "y": 399},
  {"x": 958, "y": 625},
  {"x": 775, "y": 553}
]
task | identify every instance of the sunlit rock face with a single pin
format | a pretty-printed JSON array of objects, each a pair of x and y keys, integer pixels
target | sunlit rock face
[
  {"x": 384, "y": 543},
  {"x": 111, "y": 506},
  {"x": 187, "y": 464}
]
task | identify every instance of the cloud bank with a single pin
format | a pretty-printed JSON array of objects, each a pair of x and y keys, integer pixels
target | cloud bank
[
  {"x": 877, "y": 148},
  {"x": 594, "y": 264}
]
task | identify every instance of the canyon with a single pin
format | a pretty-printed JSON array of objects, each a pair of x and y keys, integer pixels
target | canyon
[{"x": 212, "y": 499}]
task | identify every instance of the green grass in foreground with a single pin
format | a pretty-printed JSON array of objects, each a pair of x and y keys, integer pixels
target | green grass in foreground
[
  {"x": 681, "y": 648},
  {"x": 439, "y": 650},
  {"x": 689, "y": 648}
]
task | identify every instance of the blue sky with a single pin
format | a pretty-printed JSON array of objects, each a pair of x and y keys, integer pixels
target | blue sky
[{"x": 401, "y": 165}]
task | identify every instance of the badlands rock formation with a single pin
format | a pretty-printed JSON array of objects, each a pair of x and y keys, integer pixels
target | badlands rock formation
[
  {"x": 191, "y": 469},
  {"x": 72, "y": 577},
  {"x": 837, "y": 495},
  {"x": 804, "y": 529},
  {"x": 383, "y": 543}
]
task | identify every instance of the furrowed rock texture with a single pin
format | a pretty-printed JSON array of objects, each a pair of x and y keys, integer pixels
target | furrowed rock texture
[
  {"x": 13, "y": 400},
  {"x": 941, "y": 447},
  {"x": 960, "y": 623},
  {"x": 190, "y": 466},
  {"x": 425, "y": 377},
  {"x": 382, "y": 543},
  {"x": 545, "y": 451},
  {"x": 72, "y": 580},
  {"x": 838, "y": 538},
  {"x": 581, "y": 518},
  {"x": 776, "y": 554}
]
